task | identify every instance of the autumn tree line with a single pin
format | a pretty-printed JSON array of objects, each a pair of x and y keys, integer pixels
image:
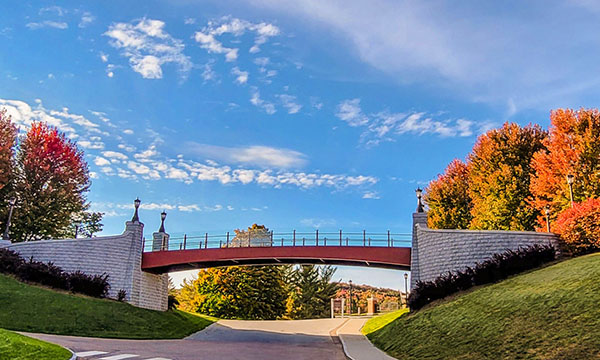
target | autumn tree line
[
  {"x": 46, "y": 175},
  {"x": 515, "y": 178}
]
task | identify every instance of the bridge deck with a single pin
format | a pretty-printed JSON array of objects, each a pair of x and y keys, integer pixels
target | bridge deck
[{"x": 178, "y": 260}]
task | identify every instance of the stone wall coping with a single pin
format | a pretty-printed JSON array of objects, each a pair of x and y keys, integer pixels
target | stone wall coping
[
  {"x": 54, "y": 241},
  {"x": 420, "y": 227}
]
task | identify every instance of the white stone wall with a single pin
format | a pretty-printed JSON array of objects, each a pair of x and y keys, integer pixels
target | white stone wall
[
  {"x": 435, "y": 252},
  {"x": 119, "y": 256}
]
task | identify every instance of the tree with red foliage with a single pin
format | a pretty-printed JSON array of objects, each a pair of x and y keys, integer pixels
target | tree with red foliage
[
  {"x": 448, "y": 199},
  {"x": 51, "y": 179},
  {"x": 499, "y": 177},
  {"x": 579, "y": 227},
  {"x": 573, "y": 147}
]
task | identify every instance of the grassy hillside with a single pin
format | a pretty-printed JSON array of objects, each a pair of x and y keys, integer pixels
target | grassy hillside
[
  {"x": 35, "y": 309},
  {"x": 18, "y": 347},
  {"x": 551, "y": 313}
]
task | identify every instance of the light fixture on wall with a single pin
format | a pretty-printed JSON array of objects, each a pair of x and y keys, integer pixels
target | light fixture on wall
[{"x": 136, "y": 203}]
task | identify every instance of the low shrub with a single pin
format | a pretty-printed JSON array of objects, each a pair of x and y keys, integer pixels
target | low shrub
[
  {"x": 91, "y": 285},
  {"x": 173, "y": 302},
  {"x": 579, "y": 227},
  {"x": 121, "y": 295},
  {"x": 9, "y": 261},
  {"x": 498, "y": 267},
  {"x": 43, "y": 273},
  {"x": 53, "y": 276}
]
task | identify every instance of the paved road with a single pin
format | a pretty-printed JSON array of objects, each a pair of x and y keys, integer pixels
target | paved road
[{"x": 227, "y": 339}]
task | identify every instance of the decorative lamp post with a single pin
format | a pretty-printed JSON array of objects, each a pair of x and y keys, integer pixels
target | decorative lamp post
[
  {"x": 11, "y": 202},
  {"x": 136, "y": 203},
  {"x": 77, "y": 225},
  {"x": 406, "y": 289},
  {"x": 419, "y": 193},
  {"x": 163, "y": 216},
  {"x": 547, "y": 212},
  {"x": 570, "y": 180},
  {"x": 350, "y": 312}
]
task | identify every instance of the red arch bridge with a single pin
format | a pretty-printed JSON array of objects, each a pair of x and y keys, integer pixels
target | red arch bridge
[{"x": 384, "y": 250}]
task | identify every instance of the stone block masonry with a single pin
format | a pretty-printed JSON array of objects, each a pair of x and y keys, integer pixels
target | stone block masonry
[
  {"x": 435, "y": 252},
  {"x": 118, "y": 256}
]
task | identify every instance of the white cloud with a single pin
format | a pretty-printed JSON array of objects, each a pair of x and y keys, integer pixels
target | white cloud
[
  {"x": 103, "y": 57},
  {"x": 128, "y": 131},
  {"x": 242, "y": 76},
  {"x": 371, "y": 195},
  {"x": 100, "y": 161},
  {"x": 188, "y": 208},
  {"x": 47, "y": 24},
  {"x": 318, "y": 223},
  {"x": 289, "y": 102},
  {"x": 256, "y": 100},
  {"x": 115, "y": 155},
  {"x": 384, "y": 125},
  {"x": 96, "y": 145},
  {"x": 86, "y": 19},
  {"x": 208, "y": 37},
  {"x": 208, "y": 73},
  {"x": 264, "y": 156},
  {"x": 350, "y": 112},
  {"x": 148, "y": 47}
]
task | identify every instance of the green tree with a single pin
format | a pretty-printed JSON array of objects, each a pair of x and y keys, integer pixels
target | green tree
[
  {"x": 237, "y": 292},
  {"x": 86, "y": 224},
  {"x": 499, "y": 178},
  {"x": 448, "y": 198},
  {"x": 311, "y": 291},
  {"x": 8, "y": 139}
]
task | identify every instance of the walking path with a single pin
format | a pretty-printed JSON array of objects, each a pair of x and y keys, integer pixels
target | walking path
[
  {"x": 356, "y": 345},
  {"x": 238, "y": 339}
]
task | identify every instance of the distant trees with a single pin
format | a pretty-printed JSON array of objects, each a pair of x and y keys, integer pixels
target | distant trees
[
  {"x": 311, "y": 291},
  {"x": 49, "y": 177}
]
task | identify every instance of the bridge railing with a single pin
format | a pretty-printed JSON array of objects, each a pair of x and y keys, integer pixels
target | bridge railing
[{"x": 293, "y": 239}]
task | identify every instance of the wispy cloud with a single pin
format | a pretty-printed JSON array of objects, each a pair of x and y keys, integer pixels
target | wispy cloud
[
  {"x": 289, "y": 102},
  {"x": 148, "y": 47},
  {"x": 208, "y": 38},
  {"x": 48, "y": 24},
  {"x": 264, "y": 156},
  {"x": 241, "y": 76},
  {"x": 257, "y": 101},
  {"x": 386, "y": 125}
]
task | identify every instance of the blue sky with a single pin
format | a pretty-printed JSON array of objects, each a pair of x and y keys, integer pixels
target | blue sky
[{"x": 294, "y": 114}]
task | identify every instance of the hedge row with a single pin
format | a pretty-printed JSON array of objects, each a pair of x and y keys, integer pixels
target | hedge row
[
  {"x": 53, "y": 276},
  {"x": 498, "y": 267}
]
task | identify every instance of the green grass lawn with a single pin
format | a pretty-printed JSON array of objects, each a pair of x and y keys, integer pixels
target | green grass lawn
[
  {"x": 380, "y": 321},
  {"x": 18, "y": 347},
  {"x": 35, "y": 309},
  {"x": 550, "y": 313}
]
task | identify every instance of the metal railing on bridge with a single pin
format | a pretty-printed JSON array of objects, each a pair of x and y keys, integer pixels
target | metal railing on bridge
[{"x": 294, "y": 238}]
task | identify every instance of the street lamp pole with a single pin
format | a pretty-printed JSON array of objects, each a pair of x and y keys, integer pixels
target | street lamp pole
[
  {"x": 350, "y": 282},
  {"x": 406, "y": 289},
  {"x": 136, "y": 203},
  {"x": 570, "y": 180},
  {"x": 11, "y": 202},
  {"x": 547, "y": 212}
]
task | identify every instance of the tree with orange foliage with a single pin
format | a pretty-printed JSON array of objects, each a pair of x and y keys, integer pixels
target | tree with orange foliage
[
  {"x": 573, "y": 147},
  {"x": 499, "y": 177},
  {"x": 448, "y": 199},
  {"x": 579, "y": 227},
  {"x": 51, "y": 178}
]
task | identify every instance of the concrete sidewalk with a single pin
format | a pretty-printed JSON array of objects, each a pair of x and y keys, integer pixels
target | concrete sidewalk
[{"x": 356, "y": 345}]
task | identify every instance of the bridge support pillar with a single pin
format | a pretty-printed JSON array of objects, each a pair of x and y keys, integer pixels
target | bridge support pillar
[{"x": 419, "y": 219}]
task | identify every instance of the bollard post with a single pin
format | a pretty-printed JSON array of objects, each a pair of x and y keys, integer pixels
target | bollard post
[
  {"x": 388, "y": 238},
  {"x": 317, "y": 238},
  {"x": 364, "y": 238},
  {"x": 228, "y": 239},
  {"x": 184, "y": 240},
  {"x": 340, "y": 237},
  {"x": 206, "y": 240},
  {"x": 294, "y": 241}
]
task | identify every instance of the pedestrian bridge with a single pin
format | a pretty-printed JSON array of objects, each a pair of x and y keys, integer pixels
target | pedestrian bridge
[{"x": 382, "y": 250}]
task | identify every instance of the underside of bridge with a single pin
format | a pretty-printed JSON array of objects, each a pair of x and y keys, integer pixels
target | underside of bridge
[{"x": 178, "y": 260}]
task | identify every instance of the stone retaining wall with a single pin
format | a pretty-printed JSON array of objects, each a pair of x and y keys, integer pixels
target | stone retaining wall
[
  {"x": 119, "y": 256},
  {"x": 435, "y": 252}
]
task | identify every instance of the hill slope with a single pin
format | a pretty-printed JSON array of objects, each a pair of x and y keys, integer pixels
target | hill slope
[
  {"x": 551, "y": 313},
  {"x": 35, "y": 309},
  {"x": 15, "y": 346}
]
